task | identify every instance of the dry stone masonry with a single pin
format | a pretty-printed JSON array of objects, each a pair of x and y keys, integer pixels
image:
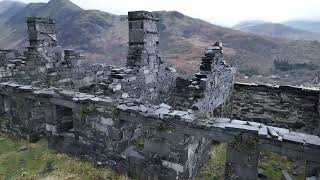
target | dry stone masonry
[
  {"x": 143, "y": 119},
  {"x": 285, "y": 106},
  {"x": 42, "y": 32}
]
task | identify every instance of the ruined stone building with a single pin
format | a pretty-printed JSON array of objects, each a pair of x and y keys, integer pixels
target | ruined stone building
[{"x": 145, "y": 120}]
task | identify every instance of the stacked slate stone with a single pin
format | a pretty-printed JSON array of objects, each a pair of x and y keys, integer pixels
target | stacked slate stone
[
  {"x": 49, "y": 65},
  {"x": 146, "y": 77},
  {"x": 23, "y": 117},
  {"x": 11, "y": 62},
  {"x": 207, "y": 67},
  {"x": 211, "y": 88},
  {"x": 210, "y": 91},
  {"x": 120, "y": 82},
  {"x": 206, "y": 62},
  {"x": 42, "y": 32},
  {"x": 290, "y": 103},
  {"x": 212, "y": 56},
  {"x": 42, "y": 54},
  {"x": 182, "y": 96},
  {"x": 143, "y": 40},
  {"x": 148, "y": 141},
  {"x": 156, "y": 151}
]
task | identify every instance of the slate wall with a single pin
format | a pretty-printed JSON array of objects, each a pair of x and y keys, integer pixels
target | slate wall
[
  {"x": 210, "y": 91},
  {"x": 42, "y": 32},
  {"x": 285, "y": 106},
  {"x": 122, "y": 140},
  {"x": 24, "y": 117}
]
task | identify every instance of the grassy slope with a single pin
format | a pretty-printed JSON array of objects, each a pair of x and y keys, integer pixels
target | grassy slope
[
  {"x": 214, "y": 169},
  {"x": 28, "y": 164},
  {"x": 270, "y": 163}
]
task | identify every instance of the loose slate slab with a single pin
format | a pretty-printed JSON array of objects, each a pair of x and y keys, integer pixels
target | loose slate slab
[
  {"x": 161, "y": 111},
  {"x": 45, "y": 92},
  {"x": 255, "y": 124},
  {"x": 293, "y": 138},
  {"x": 263, "y": 131},
  {"x": 222, "y": 120},
  {"x": 163, "y": 105},
  {"x": 312, "y": 141},
  {"x": 245, "y": 128},
  {"x": 26, "y": 88},
  {"x": 239, "y": 122},
  {"x": 179, "y": 113},
  {"x": 272, "y": 132}
]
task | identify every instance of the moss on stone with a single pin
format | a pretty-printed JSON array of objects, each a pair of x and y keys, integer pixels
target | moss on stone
[
  {"x": 28, "y": 164},
  {"x": 270, "y": 163},
  {"x": 164, "y": 127},
  {"x": 310, "y": 85},
  {"x": 4, "y": 121},
  {"x": 139, "y": 142},
  {"x": 250, "y": 143},
  {"x": 115, "y": 113},
  {"x": 214, "y": 168},
  {"x": 87, "y": 108},
  {"x": 273, "y": 163}
]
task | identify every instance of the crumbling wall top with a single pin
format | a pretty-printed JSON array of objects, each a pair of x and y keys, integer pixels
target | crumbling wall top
[
  {"x": 141, "y": 15},
  {"x": 32, "y": 19},
  {"x": 42, "y": 32}
]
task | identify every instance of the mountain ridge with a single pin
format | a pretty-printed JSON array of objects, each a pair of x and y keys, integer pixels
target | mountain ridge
[
  {"x": 311, "y": 26},
  {"x": 103, "y": 37},
  {"x": 278, "y": 30}
]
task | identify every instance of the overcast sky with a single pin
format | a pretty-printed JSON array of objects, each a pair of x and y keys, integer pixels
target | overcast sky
[{"x": 224, "y": 12}]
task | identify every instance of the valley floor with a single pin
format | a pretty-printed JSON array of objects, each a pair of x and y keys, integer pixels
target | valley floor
[{"x": 32, "y": 161}]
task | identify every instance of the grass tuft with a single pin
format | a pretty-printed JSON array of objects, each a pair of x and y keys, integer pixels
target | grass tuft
[{"x": 30, "y": 163}]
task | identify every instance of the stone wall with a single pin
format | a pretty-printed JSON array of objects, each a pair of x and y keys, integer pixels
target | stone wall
[
  {"x": 210, "y": 91},
  {"x": 120, "y": 117},
  {"x": 285, "y": 106},
  {"x": 46, "y": 66},
  {"x": 10, "y": 63},
  {"x": 144, "y": 150},
  {"x": 42, "y": 32},
  {"x": 54, "y": 83},
  {"x": 155, "y": 141},
  {"x": 146, "y": 76},
  {"x": 23, "y": 116}
]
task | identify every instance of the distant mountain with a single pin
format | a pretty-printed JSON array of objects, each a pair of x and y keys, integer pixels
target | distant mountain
[
  {"x": 312, "y": 26},
  {"x": 8, "y": 8},
  {"x": 245, "y": 24},
  {"x": 104, "y": 37},
  {"x": 277, "y": 30}
]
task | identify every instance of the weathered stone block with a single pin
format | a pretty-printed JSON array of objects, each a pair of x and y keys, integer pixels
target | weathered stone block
[{"x": 159, "y": 148}]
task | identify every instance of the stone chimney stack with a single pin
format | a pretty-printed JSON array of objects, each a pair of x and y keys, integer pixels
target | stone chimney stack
[
  {"x": 42, "y": 32},
  {"x": 143, "y": 40}
]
